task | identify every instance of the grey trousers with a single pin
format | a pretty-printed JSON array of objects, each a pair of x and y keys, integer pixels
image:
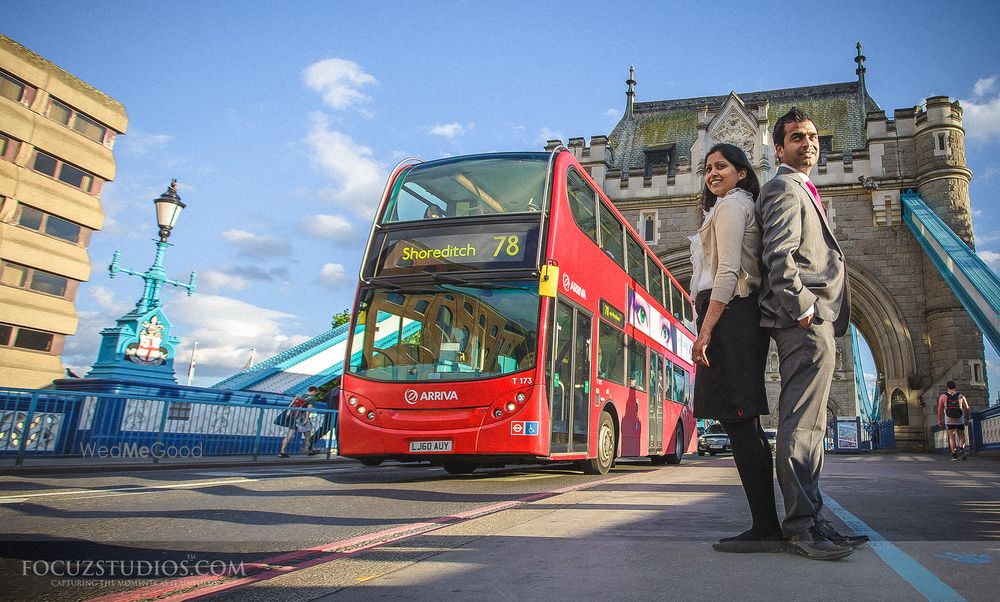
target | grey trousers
[{"x": 807, "y": 358}]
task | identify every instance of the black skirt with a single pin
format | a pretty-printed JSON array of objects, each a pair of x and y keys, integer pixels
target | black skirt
[{"x": 732, "y": 388}]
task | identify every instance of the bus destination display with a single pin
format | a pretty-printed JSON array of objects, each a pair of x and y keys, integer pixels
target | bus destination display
[{"x": 501, "y": 247}]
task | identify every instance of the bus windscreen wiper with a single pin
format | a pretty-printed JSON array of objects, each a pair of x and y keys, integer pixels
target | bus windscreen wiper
[{"x": 439, "y": 277}]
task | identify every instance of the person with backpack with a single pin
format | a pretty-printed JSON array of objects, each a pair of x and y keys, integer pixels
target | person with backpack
[
  {"x": 300, "y": 420},
  {"x": 952, "y": 412}
]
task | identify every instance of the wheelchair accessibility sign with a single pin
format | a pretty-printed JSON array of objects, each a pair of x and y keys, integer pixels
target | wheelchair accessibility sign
[{"x": 527, "y": 428}]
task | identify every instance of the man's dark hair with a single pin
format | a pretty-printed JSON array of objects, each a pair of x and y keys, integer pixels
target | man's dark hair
[
  {"x": 951, "y": 384},
  {"x": 311, "y": 389},
  {"x": 794, "y": 115}
]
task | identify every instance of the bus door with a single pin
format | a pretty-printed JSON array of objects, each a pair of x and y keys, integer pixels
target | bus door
[
  {"x": 569, "y": 387},
  {"x": 636, "y": 405},
  {"x": 656, "y": 397}
]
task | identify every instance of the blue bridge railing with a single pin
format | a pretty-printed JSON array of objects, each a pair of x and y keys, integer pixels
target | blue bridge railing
[{"x": 102, "y": 426}]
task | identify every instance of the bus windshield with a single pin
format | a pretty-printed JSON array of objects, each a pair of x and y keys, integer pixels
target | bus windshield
[
  {"x": 469, "y": 186},
  {"x": 445, "y": 332}
]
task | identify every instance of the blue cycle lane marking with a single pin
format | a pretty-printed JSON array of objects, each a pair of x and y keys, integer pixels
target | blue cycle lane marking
[{"x": 924, "y": 581}]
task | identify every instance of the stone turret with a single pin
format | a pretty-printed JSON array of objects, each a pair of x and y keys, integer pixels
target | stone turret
[{"x": 955, "y": 344}]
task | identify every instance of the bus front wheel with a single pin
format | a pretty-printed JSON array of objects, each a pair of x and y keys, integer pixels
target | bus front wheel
[
  {"x": 606, "y": 447},
  {"x": 371, "y": 461},
  {"x": 675, "y": 458}
]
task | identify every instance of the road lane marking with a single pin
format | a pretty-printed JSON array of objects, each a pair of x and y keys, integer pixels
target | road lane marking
[
  {"x": 195, "y": 587},
  {"x": 927, "y": 583},
  {"x": 123, "y": 490}
]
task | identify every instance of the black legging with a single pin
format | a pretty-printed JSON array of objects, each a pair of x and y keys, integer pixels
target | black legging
[{"x": 752, "y": 454}]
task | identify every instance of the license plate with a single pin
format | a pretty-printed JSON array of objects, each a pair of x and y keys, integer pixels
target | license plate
[{"x": 423, "y": 447}]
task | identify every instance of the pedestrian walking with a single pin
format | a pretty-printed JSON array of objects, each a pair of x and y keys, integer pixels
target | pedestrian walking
[
  {"x": 953, "y": 412},
  {"x": 301, "y": 420}
]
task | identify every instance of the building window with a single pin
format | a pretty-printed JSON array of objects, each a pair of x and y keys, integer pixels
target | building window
[
  {"x": 8, "y": 147},
  {"x": 900, "y": 412},
  {"x": 75, "y": 120},
  {"x": 825, "y": 147},
  {"x": 29, "y": 217},
  {"x": 22, "y": 276},
  {"x": 64, "y": 172},
  {"x": 15, "y": 89},
  {"x": 649, "y": 229},
  {"x": 26, "y": 338},
  {"x": 941, "y": 144},
  {"x": 657, "y": 158},
  {"x": 977, "y": 373},
  {"x": 179, "y": 411}
]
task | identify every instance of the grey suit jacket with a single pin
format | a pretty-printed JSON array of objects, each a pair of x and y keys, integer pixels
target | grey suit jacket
[{"x": 802, "y": 262}]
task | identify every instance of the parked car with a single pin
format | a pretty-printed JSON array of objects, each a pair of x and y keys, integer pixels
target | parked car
[{"x": 714, "y": 440}]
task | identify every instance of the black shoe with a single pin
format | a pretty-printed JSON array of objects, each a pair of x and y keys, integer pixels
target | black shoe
[
  {"x": 811, "y": 544},
  {"x": 846, "y": 541},
  {"x": 313, "y": 452},
  {"x": 748, "y": 542},
  {"x": 283, "y": 455}
]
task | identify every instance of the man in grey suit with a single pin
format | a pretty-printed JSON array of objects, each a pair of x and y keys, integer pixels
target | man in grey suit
[{"x": 805, "y": 303}]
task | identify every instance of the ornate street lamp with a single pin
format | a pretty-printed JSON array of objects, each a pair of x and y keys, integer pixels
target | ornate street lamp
[
  {"x": 168, "y": 209},
  {"x": 141, "y": 346}
]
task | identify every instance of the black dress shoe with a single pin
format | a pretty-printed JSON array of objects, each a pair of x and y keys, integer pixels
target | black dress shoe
[
  {"x": 848, "y": 541},
  {"x": 811, "y": 544},
  {"x": 749, "y": 542}
]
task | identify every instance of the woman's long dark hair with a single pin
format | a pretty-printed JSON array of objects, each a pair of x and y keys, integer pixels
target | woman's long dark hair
[{"x": 738, "y": 159}]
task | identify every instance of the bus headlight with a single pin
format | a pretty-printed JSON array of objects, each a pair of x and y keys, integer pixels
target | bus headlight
[
  {"x": 520, "y": 397},
  {"x": 371, "y": 416},
  {"x": 362, "y": 410},
  {"x": 511, "y": 406},
  {"x": 498, "y": 413},
  {"x": 353, "y": 401}
]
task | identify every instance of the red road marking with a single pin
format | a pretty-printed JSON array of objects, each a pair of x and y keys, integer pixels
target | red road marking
[{"x": 192, "y": 588}]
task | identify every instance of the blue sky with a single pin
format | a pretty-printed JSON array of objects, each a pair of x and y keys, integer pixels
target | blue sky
[{"x": 281, "y": 120}]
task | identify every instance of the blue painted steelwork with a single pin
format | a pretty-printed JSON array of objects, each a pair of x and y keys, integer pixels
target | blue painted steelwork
[
  {"x": 974, "y": 283},
  {"x": 130, "y": 426},
  {"x": 283, "y": 373},
  {"x": 985, "y": 429}
]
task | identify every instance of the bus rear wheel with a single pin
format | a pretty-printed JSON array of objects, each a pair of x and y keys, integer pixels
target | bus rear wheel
[
  {"x": 607, "y": 445},
  {"x": 371, "y": 461},
  {"x": 458, "y": 467},
  {"x": 675, "y": 458}
]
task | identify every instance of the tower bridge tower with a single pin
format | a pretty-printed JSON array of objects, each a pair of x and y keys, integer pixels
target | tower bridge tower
[{"x": 649, "y": 165}]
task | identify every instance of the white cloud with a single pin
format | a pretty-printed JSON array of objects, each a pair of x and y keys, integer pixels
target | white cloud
[
  {"x": 215, "y": 280},
  {"x": 448, "y": 130},
  {"x": 981, "y": 114},
  {"x": 137, "y": 142},
  {"x": 257, "y": 245},
  {"x": 546, "y": 134},
  {"x": 992, "y": 259},
  {"x": 333, "y": 276},
  {"x": 330, "y": 227},
  {"x": 613, "y": 113},
  {"x": 340, "y": 81},
  {"x": 984, "y": 86},
  {"x": 359, "y": 177},
  {"x": 226, "y": 329}
]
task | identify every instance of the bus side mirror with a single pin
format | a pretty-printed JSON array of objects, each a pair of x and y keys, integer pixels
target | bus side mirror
[{"x": 547, "y": 281}]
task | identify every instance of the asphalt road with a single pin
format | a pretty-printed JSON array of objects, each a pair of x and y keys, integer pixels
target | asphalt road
[{"x": 339, "y": 530}]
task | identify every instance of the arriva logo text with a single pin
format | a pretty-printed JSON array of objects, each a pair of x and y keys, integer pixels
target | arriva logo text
[
  {"x": 570, "y": 285},
  {"x": 412, "y": 396}
]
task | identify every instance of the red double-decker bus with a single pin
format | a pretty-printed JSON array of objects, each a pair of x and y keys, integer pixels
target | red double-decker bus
[{"x": 508, "y": 313}]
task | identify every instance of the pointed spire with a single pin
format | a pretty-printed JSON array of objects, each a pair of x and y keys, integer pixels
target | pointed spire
[
  {"x": 862, "y": 91},
  {"x": 630, "y": 95}
]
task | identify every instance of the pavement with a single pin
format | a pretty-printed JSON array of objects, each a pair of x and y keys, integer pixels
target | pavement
[{"x": 645, "y": 533}]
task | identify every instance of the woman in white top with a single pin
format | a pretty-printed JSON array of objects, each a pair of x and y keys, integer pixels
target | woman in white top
[{"x": 731, "y": 348}]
